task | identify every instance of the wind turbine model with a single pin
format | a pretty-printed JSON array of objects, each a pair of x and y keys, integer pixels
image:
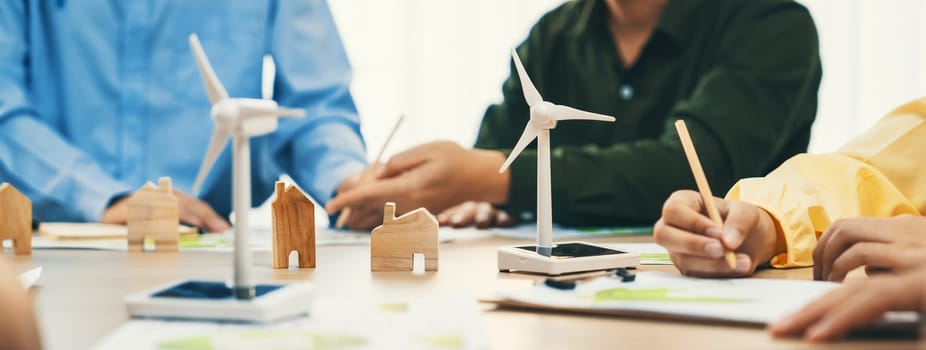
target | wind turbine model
[
  {"x": 545, "y": 257},
  {"x": 238, "y": 119}
]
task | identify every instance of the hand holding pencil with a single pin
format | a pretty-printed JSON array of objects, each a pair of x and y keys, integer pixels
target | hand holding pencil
[
  {"x": 701, "y": 180},
  {"x": 731, "y": 240},
  {"x": 370, "y": 172}
]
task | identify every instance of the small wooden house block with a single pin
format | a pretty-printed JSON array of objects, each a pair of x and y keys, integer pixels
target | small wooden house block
[
  {"x": 395, "y": 242},
  {"x": 15, "y": 219},
  {"x": 153, "y": 214},
  {"x": 293, "y": 227}
]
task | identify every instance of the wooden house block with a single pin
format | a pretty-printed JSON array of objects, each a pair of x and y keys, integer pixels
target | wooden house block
[
  {"x": 153, "y": 214},
  {"x": 293, "y": 226},
  {"x": 15, "y": 219},
  {"x": 394, "y": 243}
]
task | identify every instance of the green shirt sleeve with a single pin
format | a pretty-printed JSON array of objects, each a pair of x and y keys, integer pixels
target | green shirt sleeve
[{"x": 748, "y": 107}]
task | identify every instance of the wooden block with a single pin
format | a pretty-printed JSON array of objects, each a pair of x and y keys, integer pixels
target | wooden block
[
  {"x": 15, "y": 219},
  {"x": 152, "y": 213},
  {"x": 293, "y": 227},
  {"x": 395, "y": 242}
]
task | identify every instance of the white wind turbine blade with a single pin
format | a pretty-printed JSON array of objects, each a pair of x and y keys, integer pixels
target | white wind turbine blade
[
  {"x": 531, "y": 95},
  {"x": 214, "y": 87},
  {"x": 290, "y": 112},
  {"x": 529, "y": 134},
  {"x": 268, "y": 110},
  {"x": 216, "y": 144},
  {"x": 568, "y": 113}
]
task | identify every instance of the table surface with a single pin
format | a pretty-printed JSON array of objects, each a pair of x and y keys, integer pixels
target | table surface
[{"x": 79, "y": 298}]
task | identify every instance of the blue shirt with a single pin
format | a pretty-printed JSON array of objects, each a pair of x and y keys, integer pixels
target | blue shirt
[{"x": 97, "y": 97}]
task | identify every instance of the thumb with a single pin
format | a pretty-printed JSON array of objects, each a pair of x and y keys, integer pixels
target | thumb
[
  {"x": 739, "y": 220},
  {"x": 402, "y": 162}
]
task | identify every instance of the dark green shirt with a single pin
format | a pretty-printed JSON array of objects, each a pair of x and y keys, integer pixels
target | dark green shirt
[{"x": 743, "y": 74}]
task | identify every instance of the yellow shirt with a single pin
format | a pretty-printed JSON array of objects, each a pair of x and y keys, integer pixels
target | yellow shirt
[{"x": 881, "y": 173}]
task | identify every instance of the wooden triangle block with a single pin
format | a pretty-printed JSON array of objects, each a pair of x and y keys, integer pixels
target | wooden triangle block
[
  {"x": 15, "y": 219},
  {"x": 153, "y": 214},
  {"x": 293, "y": 226},
  {"x": 395, "y": 242}
]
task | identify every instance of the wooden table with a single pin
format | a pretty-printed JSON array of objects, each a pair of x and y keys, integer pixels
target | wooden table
[{"x": 80, "y": 297}]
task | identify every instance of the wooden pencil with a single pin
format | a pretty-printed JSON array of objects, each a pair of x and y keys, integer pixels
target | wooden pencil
[{"x": 703, "y": 187}]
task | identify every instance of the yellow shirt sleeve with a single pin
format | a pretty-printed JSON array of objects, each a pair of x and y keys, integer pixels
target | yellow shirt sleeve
[{"x": 881, "y": 173}]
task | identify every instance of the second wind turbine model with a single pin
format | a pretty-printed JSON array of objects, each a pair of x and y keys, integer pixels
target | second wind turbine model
[
  {"x": 238, "y": 119},
  {"x": 543, "y": 117}
]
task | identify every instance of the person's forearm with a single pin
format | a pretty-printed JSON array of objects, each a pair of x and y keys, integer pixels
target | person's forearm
[
  {"x": 809, "y": 192},
  {"x": 489, "y": 185},
  {"x": 54, "y": 173},
  {"x": 324, "y": 155}
]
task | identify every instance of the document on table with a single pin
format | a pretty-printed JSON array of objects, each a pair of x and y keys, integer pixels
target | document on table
[
  {"x": 650, "y": 253},
  {"x": 335, "y": 323},
  {"x": 30, "y": 278},
  {"x": 261, "y": 240},
  {"x": 529, "y": 231},
  {"x": 669, "y": 296}
]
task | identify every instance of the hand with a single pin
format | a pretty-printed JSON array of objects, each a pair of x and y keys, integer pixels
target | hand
[
  {"x": 893, "y": 244},
  {"x": 191, "y": 210},
  {"x": 482, "y": 214},
  {"x": 855, "y": 305},
  {"x": 19, "y": 330},
  {"x": 696, "y": 245},
  {"x": 435, "y": 175},
  {"x": 354, "y": 180},
  {"x": 359, "y": 219}
]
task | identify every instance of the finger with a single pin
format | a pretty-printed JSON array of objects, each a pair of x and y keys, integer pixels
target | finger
[
  {"x": 484, "y": 216},
  {"x": 849, "y": 233},
  {"x": 822, "y": 244},
  {"x": 373, "y": 191},
  {"x": 698, "y": 266},
  {"x": 444, "y": 217},
  {"x": 740, "y": 218},
  {"x": 404, "y": 161},
  {"x": 685, "y": 210},
  {"x": 187, "y": 213},
  {"x": 812, "y": 312},
  {"x": 464, "y": 217},
  {"x": 857, "y": 310},
  {"x": 116, "y": 214},
  {"x": 679, "y": 241},
  {"x": 818, "y": 254},
  {"x": 208, "y": 218},
  {"x": 869, "y": 254},
  {"x": 502, "y": 219}
]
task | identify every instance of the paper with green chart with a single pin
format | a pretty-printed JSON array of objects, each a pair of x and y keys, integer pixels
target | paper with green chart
[
  {"x": 529, "y": 232},
  {"x": 334, "y": 324},
  {"x": 664, "y": 295}
]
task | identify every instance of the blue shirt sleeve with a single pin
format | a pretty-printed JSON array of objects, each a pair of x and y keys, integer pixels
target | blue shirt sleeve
[
  {"x": 313, "y": 72},
  {"x": 63, "y": 182}
]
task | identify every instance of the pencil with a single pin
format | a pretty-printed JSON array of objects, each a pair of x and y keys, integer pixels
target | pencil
[
  {"x": 365, "y": 176},
  {"x": 703, "y": 187}
]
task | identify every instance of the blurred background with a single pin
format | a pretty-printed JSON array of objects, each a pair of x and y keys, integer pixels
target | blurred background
[{"x": 443, "y": 61}]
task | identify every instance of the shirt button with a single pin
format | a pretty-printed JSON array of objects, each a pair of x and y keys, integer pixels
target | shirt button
[{"x": 626, "y": 91}]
